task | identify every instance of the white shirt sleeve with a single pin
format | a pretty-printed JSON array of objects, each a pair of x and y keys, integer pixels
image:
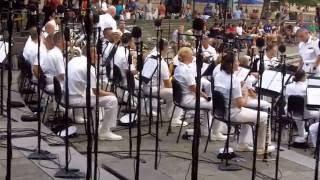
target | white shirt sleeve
[
  {"x": 59, "y": 64},
  {"x": 316, "y": 47},
  {"x": 165, "y": 74},
  {"x": 236, "y": 89},
  {"x": 93, "y": 78}
]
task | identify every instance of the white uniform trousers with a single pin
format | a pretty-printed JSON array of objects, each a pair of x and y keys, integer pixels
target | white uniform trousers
[
  {"x": 250, "y": 115},
  {"x": 189, "y": 101},
  {"x": 167, "y": 95},
  {"x": 109, "y": 105}
]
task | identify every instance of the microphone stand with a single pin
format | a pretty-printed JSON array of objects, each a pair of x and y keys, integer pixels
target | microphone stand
[
  {"x": 228, "y": 166},
  {"x": 9, "y": 128},
  {"x": 196, "y": 139},
  {"x": 159, "y": 49},
  {"x": 96, "y": 133},
  {"x": 261, "y": 68},
  {"x": 283, "y": 70},
  {"x": 139, "y": 45},
  {"x": 88, "y": 28},
  {"x": 131, "y": 90},
  {"x": 38, "y": 154},
  {"x": 67, "y": 172}
]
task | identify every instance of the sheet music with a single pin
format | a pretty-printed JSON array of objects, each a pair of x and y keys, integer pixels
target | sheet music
[
  {"x": 313, "y": 96},
  {"x": 276, "y": 84},
  {"x": 3, "y": 51},
  {"x": 314, "y": 82},
  {"x": 267, "y": 78},
  {"x": 242, "y": 73}
]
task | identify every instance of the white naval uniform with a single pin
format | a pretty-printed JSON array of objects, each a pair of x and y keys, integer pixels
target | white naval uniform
[
  {"x": 53, "y": 65},
  {"x": 150, "y": 68},
  {"x": 299, "y": 89},
  {"x": 252, "y": 102},
  {"x": 210, "y": 52},
  {"x": 77, "y": 81},
  {"x": 309, "y": 53},
  {"x": 185, "y": 76},
  {"x": 222, "y": 84},
  {"x": 121, "y": 60}
]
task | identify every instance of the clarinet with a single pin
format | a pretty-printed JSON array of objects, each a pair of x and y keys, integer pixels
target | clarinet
[{"x": 265, "y": 155}]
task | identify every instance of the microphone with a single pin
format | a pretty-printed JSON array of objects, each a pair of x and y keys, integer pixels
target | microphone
[
  {"x": 60, "y": 11},
  {"x": 67, "y": 33},
  {"x": 282, "y": 48},
  {"x": 260, "y": 43},
  {"x": 136, "y": 34},
  {"x": 99, "y": 46},
  {"x": 157, "y": 23},
  {"x": 197, "y": 26}
]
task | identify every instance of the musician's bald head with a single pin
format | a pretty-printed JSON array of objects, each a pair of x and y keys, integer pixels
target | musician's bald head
[
  {"x": 112, "y": 11},
  {"x": 49, "y": 28}
]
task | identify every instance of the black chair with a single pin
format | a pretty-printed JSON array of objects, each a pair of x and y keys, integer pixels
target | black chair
[
  {"x": 219, "y": 113},
  {"x": 177, "y": 98},
  {"x": 295, "y": 109},
  {"x": 58, "y": 96}
]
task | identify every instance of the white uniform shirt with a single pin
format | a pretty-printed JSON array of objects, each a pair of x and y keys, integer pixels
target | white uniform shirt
[
  {"x": 296, "y": 88},
  {"x": 185, "y": 76},
  {"x": 121, "y": 60},
  {"x": 150, "y": 67},
  {"x": 309, "y": 51},
  {"x": 30, "y": 51},
  {"x": 53, "y": 64},
  {"x": 210, "y": 52},
  {"x": 105, "y": 21},
  {"x": 77, "y": 76},
  {"x": 239, "y": 30},
  {"x": 222, "y": 82}
]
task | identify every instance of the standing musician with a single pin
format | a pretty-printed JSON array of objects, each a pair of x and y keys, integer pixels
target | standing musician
[
  {"x": 239, "y": 112},
  {"x": 309, "y": 51},
  {"x": 151, "y": 71},
  {"x": 77, "y": 76},
  {"x": 185, "y": 76}
]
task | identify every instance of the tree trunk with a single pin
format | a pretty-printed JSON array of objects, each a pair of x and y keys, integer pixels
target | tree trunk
[{"x": 265, "y": 9}]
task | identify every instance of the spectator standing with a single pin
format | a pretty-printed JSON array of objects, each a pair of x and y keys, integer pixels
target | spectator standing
[
  {"x": 162, "y": 10},
  {"x": 148, "y": 8}
]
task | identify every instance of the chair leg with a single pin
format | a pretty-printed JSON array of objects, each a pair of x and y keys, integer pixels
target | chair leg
[
  {"x": 121, "y": 103},
  {"x": 45, "y": 109},
  {"x": 290, "y": 135},
  {"x": 85, "y": 121},
  {"x": 183, "y": 119},
  {"x": 253, "y": 133},
  {"x": 209, "y": 136},
  {"x": 169, "y": 127}
]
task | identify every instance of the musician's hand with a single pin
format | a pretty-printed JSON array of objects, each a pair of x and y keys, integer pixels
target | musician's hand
[{"x": 255, "y": 74}]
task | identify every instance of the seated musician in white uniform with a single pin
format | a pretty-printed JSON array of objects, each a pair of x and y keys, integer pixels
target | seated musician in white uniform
[
  {"x": 77, "y": 81},
  {"x": 248, "y": 83},
  {"x": 299, "y": 88},
  {"x": 54, "y": 64},
  {"x": 239, "y": 100},
  {"x": 151, "y": 71},
  {"x": 184, "y": 75},
  {"x": 122, "y": 54},
  {"x": 209, "y": 52},
  {"x": 270, "y": 57}
]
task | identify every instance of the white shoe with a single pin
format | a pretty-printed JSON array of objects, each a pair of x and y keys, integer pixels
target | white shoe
[
  {"x": 144, "y": 113},
  {"x": 79, "y": 120},
  {"x": 177, "y": 123},
  {"x": 109, "y": 136},
  {"x": 244, "y": 148},
  {"x": 271, "y": 148},
  {"x": 218, "y": 137}
]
